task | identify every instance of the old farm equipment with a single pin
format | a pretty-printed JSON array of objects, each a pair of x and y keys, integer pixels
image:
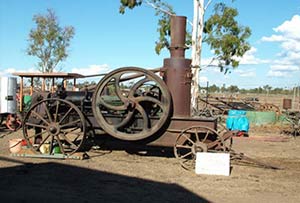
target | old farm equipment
[
  {"x": 129, "y": 105},
  {"x": 291, "y": 117}
]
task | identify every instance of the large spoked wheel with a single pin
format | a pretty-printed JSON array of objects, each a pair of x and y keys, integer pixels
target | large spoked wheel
[
  {"x": 54, "y": 126},
  {"x": 131, "y": 103},
  {"x": 196, "y": 139}
]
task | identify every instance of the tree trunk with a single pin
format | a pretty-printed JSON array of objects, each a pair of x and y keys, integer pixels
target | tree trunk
[{"x": 196, "y": 51}]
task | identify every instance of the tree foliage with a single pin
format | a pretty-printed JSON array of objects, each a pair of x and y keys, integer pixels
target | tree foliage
[
  {"x": 163, "y": 10},
  {"x": 257, "y": 90},
  {"x": 226, "y": 37},
  {"x": 48, "y": 41},
  {"x": 221, "y": 31}
]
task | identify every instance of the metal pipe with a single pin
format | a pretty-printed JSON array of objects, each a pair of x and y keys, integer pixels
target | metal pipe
[
  {"x": 21, "y": 94},
  {"x": 178, "y": 32}
]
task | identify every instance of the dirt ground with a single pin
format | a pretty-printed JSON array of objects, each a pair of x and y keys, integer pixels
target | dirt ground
[{"x": 118, "y": 176}]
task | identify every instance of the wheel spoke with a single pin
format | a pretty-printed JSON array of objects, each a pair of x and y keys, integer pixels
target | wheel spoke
[
  {"x": 69, "y": 141},
  {"x": 149, "y": 99},
  {"x": 186, "y": 155},
  {"x": 191, "y": 141},
  {"x": 51, "y": 144},
  {"x": 125, "y": 120},
  {"x": 206, "y": 136},
  {"x": 137, "y": 85},
  {"x": 40, "y": 117},
  {"x": 144, "y": 116},
  {"x": 35, "y": 125},
  {"x": 183, "y": 146},
  {"x": 65, "y": 116},
  {"x": 71, "y": 123},
  {"x": 197, "y": 135},
  {"x": 60, "y": 145},
  {"x": 117, "y": 87},
  {"x": 109, "y": 106},
  {"x": 56, "y": 111},
  {"x": 48, "y": 113},
  {"x": 36, "y": 134},
  {"x": 43, "y": 141},
  {"x": 188, "y": 164},
  {"x": 72, "y": 132}
]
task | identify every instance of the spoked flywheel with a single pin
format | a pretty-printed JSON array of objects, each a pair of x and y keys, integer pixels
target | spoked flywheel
[
  {"x": 54, "y": 126},
  {"x": 131, "y": 103},
  {"x": 197, "y": 139}
]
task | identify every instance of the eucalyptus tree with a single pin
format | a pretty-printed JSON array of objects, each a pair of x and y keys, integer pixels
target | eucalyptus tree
[
  {"x": 48, "y": 41},
  {"x": 223, "y": 34}
]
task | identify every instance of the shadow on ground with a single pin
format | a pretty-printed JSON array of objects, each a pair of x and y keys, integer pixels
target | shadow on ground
[{"x": 55, "y": 182}]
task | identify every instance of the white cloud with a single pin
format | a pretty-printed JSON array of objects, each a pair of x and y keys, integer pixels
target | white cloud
[
  {"x": 273, "y": 38},
  {"x": 279, "y": 74},
  {"x": 284, "y": 68},
  {"x": 291, "y": 44},
  {"x": 288, "y": 60},
  {"x": 290, "y": 29},
  {"x": 249, "y": 58},
  {"x": 92, "y": 70},
  {"x": 250, "y": 73}
]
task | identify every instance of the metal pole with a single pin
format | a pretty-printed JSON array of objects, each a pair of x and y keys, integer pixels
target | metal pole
[{"x": 21, "y": 94}]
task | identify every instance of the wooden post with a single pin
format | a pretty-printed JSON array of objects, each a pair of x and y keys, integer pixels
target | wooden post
[
  {"x": 52, "y": 88},
  {"x": 74, "y": 86},
  {"x": 31, "y": 86},
  {"x": 21, "y": 94},
  {"x": 65, "y": 84},
  {"x": 43, "y": 84}
]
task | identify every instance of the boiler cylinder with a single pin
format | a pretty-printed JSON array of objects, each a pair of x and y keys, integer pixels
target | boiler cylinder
[
  {"x": 8, "y": 89},
  {"x": 178, "y": 79}
]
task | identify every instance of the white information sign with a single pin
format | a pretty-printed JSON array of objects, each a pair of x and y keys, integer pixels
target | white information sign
[{"x": 213, "y": 163}]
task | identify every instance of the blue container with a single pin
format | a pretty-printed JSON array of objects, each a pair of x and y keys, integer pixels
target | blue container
[{"x": 237, "y": 120}]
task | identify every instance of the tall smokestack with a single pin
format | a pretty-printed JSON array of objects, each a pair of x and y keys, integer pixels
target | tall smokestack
[{"x": 178, "y": 74}]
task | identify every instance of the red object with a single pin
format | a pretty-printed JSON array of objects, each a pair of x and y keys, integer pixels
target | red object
[
  {"x": 240, "y": 134},
  {"x": 24, "y": 143}
]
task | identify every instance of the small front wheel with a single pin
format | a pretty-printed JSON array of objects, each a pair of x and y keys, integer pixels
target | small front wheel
[
  {"x": 54, "y": 126},
  {"x": 196, "y": 139}
]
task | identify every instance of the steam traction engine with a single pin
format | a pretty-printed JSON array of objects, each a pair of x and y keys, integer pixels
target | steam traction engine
[{"x": 131, "y": 105}]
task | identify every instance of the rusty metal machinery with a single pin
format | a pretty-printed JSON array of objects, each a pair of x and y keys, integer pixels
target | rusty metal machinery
[
  {"x": 177, "y": 69},
  {"x": 55, "y": 123},
  {"x": 199, "y": 139},
  {"x": 129, "y": 105}
]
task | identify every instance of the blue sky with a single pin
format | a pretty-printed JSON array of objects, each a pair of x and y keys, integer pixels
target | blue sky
[{"x": 105, "y": 40}]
